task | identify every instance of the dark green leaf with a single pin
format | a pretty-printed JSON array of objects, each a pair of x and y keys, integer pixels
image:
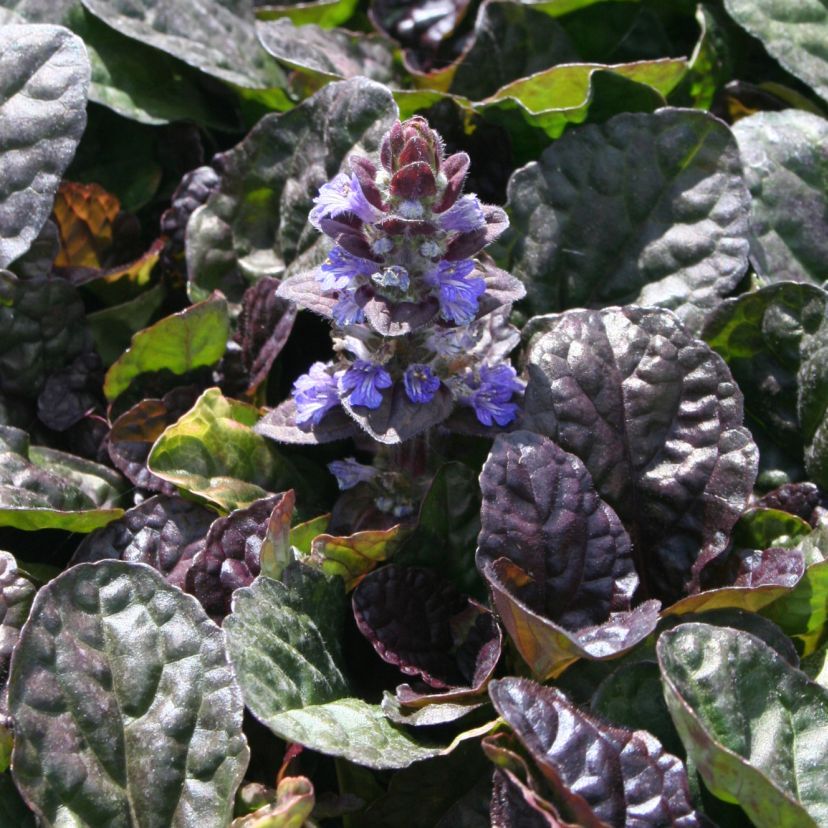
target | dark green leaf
[
  {"x": 646, "y": 209},
  {"x": 44, "y": 79},
  {"x": 213, "y": 452},
  {"x": 179, "y": 343},
  {"x": 753, "y": 725},
  {"x": 16, "y": 595},
  {"x": 126, "y": 709},
  {"x": 787, "y": 173},
  {"x": 324, "y": 13},
  {"x": 793, "y": 33},
  {"x": 257, "y": 223}
]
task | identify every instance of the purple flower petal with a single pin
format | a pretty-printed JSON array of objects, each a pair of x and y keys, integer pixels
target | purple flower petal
[
  {"x": 342, "y": 194},
  {"x": 315, "y": 394},
  {"x": 349, "y": 473},
  {"x": 457, "y": 291},
  {"x": 341, "y": 269},
  {"x": 491, "y": 400},
  {"x": 347, "y": 311},
  {"x": 464, "y": 216},
  {"x": 363, "y": 381},
  {"x": 420, "y": 383}
]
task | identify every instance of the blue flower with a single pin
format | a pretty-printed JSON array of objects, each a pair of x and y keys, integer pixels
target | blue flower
[
  {"x": 363, "y": 381},
  {"x": 491, "y": 399},
  {"x": 420, "y": 383},
  {"x": 457, "y": 291},
  {"x": 342, "y": 194},
  {"x": 349, "y": 473},
  {"x": 341, "y": 269},
  {"x": 464, "y": 216},
  {"x": 315, "y": 394},
  {"x": 346, "y": 311}
]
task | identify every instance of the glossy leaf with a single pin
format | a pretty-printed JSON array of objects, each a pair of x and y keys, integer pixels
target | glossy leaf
[
  {"x": 41, "y": 330},
  {"x": 16, "y": 595},
  {"x": 163, "y": 532},
  {"x": 779, "y": 331},
  {"x": 603, "y": 775},
  {"x": 217, "y": 37},
  {"x": 667, "y": 193},
  {"x": 213, "y": 452},
  {"x": 793, "y": 34},
  {"x": 420, "y": 623},
  {"x": 179, "y": 343},
  {"x": 126, "y": 709},
  {"x": 44, "y": 489},
  {"x": 45, "y": 79},
  {"x": 787, "y": 174},
  {"x": 541, "y": 512},
  {"x": 324, "y": 13},
  {"x": 329, "y": 54},
  {"x": 753, "y": 725},
  {"x": 256, "y": 223},
  {"x": 284, "y": 639},
  {"x": 230, "y": 556},
  {"x": 294, "y": 804},
  {"x": 657, "y": 419}
]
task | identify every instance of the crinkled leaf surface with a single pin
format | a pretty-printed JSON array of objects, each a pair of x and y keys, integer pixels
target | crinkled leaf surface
[
  {"x": 163, "y": 532},
  {"x": 136, "y": 430},
  {"x": 775, "y": 341},
  {"x": 213, "y": 452},
  {"x": 179, "y": 343},
  {"x": 754, "y": 726},
  {"x": 419, "y": 622},
  {"x": 284, "y": 639},
  {"x": 540, "y": 510},
  {"x": 786, "y": 170},
  {"x": 327, "y": 53},
  {"x": 16, "y": 595},
  {"x": 216, "y": 36},
  {"x": 793, "y": 33},
  {"x": 41, "y": 329},
  {"x": 648, "y": 208},
  {"x": 126, "y": 709},
  {"x": 45, "y": 489},
  {"x": 256, "y": 224},
  {"x": 230, "y": 557},
  {"x": 45, "y": 79},
  {"x": 657, "y": 420},
  {"x": 603, "y": 774}
]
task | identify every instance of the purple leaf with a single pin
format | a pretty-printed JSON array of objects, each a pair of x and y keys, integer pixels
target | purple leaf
[
  {"x": 264, "y": 326},
  {"x": 540, "y": 510},
  {"x": 304, "y": 290},
  {"x": 800, "y": 499},
  {"x": 501, "y": 288},
  {"x": 280, "y": 424},
  {"x": 603, "y": 775},
  {"x": 419, "y": 622},
  {"x": 164, "y": 532},
  {"x": 397, "y": 418},
  {"x": 473, "y": 241},
  {"x": 230, "y": 558},
  {"x": 657, "y": 419},
  {"x": 399, "y": 318},
  {"x": 547, "y": 647}
]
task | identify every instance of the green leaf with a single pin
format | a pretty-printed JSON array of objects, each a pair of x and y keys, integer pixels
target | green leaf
[
  {"x": 325, "y": 13},
  {"x": 753, "y": 725},
  {"x": 645, "y": 209},
  {"x": 126, "y": 709},
  {"x": 558, "y": 8},
  {"x": 179, "y": 343},
  {"x": 16, "y": 596},
  {"x": 215, "y": 36},
  {"x": 41, "y": 488},
  {"x": 213, "y": 452},
  {"x": 787, "y": 173},
  {"x": 328, "y": 55},
  {"x": 256, "y": 224},
  {"x": 796, "y": 34},
  {"x": 780, "y": 331},
  {"x": 762, "y": 528},
  {"x": 44, "y": 79},
  {"x": 284, "y": 639},
  {"x": 294, "y": 804},
  {"x": 445, "y": 536},
  {"x": 815, "y": 666}
]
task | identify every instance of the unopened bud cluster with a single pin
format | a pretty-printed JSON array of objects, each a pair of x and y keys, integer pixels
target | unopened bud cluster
[{"x": 412, "y": 301}]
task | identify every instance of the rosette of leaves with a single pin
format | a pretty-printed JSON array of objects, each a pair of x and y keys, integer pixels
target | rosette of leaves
[{"x": 405, "y": 288}]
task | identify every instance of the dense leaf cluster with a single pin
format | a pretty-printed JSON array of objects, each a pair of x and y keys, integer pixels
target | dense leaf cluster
[{"x": 413, "y": 413}]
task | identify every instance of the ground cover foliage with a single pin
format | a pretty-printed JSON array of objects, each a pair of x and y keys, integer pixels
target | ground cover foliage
[{"x": 413, "y": 413}]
